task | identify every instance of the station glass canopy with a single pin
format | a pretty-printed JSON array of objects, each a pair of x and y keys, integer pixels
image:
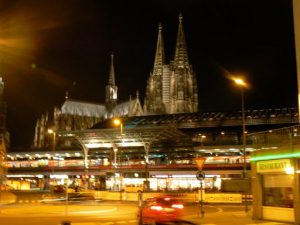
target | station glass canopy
[{"x": 127, "y": 137}]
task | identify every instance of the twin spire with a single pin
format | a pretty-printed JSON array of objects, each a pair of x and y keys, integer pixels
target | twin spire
[
  {"x": 160, "y": 53},
  {"x": 181, "y": 56}
]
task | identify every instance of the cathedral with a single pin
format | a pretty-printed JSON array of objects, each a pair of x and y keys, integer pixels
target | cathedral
[{"x": 171, "y": 89}]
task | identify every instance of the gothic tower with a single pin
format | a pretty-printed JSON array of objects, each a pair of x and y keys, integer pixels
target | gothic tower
[
  {"x": 154, "y": 101},
  {"x": 111, "y": 88},
  {"x": 183, "y": 82},
  {"x": 171, "y": 88}
]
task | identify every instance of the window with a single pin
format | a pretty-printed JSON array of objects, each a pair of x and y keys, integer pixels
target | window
[{"x": 278, "y": 190}]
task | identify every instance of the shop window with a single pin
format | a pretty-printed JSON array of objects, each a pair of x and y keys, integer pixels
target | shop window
[{"x": 278, "y": 191}]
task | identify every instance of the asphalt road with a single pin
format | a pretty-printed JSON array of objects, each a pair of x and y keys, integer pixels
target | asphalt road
[
  {"x": 30, "y": 211},
  {"x": 90, "y": 213}
]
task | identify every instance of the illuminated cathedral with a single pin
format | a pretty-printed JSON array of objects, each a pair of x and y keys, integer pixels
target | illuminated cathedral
[{"x": 171, "y": 89}]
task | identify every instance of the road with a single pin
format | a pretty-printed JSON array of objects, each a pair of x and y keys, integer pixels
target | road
[
  {"x": 86, "y": 213},
  {"x": 32, "y": 212}
]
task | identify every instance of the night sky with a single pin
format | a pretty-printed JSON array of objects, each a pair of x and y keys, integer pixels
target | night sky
[{"x": 50, "y": 47}]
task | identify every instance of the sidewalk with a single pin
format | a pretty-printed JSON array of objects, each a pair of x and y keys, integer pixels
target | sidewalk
[{"x": 230, "y": 218}]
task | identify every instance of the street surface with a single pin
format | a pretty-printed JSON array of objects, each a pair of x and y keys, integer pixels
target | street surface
[
  {"x": 29, "y": 210},
  {"x": 114, "y": 213}
]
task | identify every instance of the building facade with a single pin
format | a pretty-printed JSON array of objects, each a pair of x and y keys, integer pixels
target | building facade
[
  {"x": 171, "y": 88},
  {"x": 79, "y": 115},
  {"x": 275, "y": 175},
  {"x": 157, "y": 148}
]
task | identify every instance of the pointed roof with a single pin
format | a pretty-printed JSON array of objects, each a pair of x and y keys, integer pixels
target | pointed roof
[
  {"x": 160, "y": 53},
  {"x": 181, "y": 56},
  {"x": 111, "y": 80}
]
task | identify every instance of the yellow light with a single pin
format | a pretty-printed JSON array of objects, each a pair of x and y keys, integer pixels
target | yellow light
[
  {"x": 289, "y": 170},
  {"x": 239, "y": 81},
  {"x": 50, "y": 131},
  {"x": 117, "y": 121}
]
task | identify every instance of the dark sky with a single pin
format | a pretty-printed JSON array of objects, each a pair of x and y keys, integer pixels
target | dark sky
[{"x": 50, "y": 47}]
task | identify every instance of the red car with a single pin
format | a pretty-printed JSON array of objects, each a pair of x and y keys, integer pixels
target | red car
[{"x": 161, "y": 209}]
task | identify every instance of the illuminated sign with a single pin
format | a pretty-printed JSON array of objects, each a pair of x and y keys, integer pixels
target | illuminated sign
[{"x": 273, "y": 166}]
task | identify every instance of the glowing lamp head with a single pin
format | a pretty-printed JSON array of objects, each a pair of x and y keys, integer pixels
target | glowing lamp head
[
  {"x": 289, "y": 170},
  {"x": 50, "y": 131},
  {"x": 239, "y": 81},
  {"x": 117, "y": 122}
]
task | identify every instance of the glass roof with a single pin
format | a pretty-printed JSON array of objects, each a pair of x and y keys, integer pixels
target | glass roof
[{"x": 138, "y": 136}]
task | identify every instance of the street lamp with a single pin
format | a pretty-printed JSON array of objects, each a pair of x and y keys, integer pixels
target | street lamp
[
  {"x": 51, "y": 131},
  {"x": 202, "y": 138},
  {"x": 118, "y": 122},
  {"x": 115, "y": 149},
  {"x": 242, "y": 84}
]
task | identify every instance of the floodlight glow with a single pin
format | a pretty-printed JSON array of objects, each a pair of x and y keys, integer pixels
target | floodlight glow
[
  {"x": 239, "y": 81},
  {"x": 289, "y": 170},
  {"x": 117, "y": 121}
]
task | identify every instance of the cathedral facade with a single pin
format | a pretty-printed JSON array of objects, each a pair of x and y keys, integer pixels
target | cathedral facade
[{"x": 171, "y": 89}]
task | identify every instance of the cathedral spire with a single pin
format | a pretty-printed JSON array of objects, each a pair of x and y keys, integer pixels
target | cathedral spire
[
  {"x": 160, "y": 53},
  {"x": 181, "y": 56},
  {"x": 111, "y": 80},
  {"x": 111, "y": 88}
]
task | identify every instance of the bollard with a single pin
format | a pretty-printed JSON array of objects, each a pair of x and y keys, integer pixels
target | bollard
[{"x": 65, "y": 222}]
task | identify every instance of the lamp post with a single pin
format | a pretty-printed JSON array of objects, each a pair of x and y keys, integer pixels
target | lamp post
[
  {"x": 202, "y": 138},
  {"x": 118, "y": 122},
  {"x": 242, "y": 84},
  {"x": 52, "y": 131},
  {"x": 147, "y": 182},
  {"x": 115, "y": 149}
]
